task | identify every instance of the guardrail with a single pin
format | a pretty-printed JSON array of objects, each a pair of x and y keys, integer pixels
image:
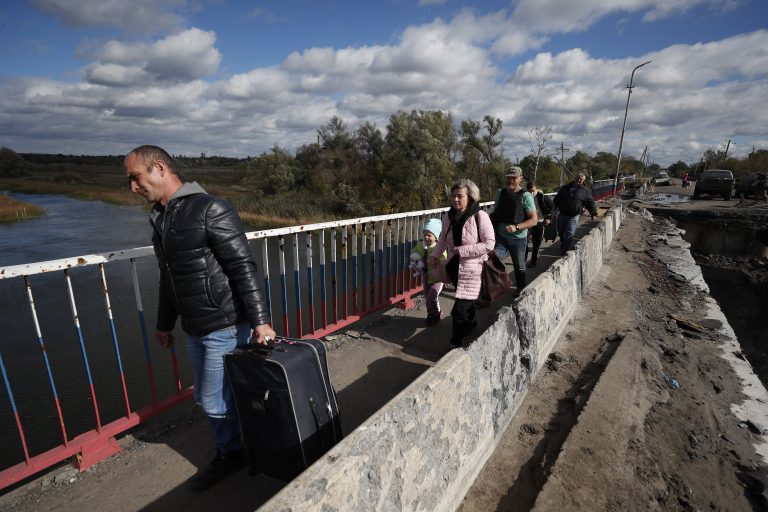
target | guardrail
[
  {"x": 604, "y": 188},
  {"x": 362, "y": 266}
]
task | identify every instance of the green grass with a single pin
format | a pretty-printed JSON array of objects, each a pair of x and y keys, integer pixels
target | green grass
[{"x": 109, "y": 185}]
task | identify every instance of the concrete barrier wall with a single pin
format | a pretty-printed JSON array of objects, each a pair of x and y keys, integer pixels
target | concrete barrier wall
[{"x": 424, "y": 449}]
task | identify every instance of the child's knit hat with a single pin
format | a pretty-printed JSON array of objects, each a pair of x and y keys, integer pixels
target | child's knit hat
[{"x": 434, "y": 226}]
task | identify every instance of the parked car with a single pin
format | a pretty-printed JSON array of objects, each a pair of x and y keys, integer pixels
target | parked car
[
  {"x": 662, "y": 179},
  {"x": 748, "y": 185},
  {"x": 714, "y": 182}
]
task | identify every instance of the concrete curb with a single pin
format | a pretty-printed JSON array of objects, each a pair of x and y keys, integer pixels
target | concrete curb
[{"x": 424, "y": 449}]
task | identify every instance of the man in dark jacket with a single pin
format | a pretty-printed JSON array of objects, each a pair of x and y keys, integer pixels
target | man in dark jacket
[
  {"x": 208, "y": 278},
  {"x": 570, "y": 200}
]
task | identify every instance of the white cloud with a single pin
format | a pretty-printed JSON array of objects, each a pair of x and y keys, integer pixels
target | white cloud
[
  {"x": 188, "y": 55},
  {"x": 533, "y": 22},
  {"x": 140, "y": 16},
  {"x": 690, "y": 97}
]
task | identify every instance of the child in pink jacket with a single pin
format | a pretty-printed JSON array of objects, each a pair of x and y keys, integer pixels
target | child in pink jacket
[
  {"x": 467, "y": 237},
  {"x": 431, "y": 276}
]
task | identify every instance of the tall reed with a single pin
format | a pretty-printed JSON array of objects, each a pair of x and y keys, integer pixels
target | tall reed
[{"x": 12, "y": 210}]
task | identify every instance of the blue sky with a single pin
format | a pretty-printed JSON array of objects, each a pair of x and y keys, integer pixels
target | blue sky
[{"x": 236, "y": 78}]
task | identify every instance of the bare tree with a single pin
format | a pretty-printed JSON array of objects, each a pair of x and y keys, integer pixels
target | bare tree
[{"x": 538, "y": 137}]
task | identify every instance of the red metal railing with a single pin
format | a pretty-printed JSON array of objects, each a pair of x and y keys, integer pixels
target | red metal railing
[
  {"x": 373, "y": 275},
  {"x": 368, "y": 260}
]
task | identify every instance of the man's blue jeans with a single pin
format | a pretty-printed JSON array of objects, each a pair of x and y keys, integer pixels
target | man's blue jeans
[
  {"x": 212, "y": 390},
  {"x": 566, "y": 228},
  {"x": 516, "y": 249}
]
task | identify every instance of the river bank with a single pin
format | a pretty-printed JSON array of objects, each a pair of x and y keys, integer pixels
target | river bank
[
  {"x": 12, "y": 210},
  {"x": 254, "y": 219}
]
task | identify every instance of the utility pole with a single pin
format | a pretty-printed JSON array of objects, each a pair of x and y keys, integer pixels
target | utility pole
[
  {"x": 728, "y": 145},
  {"x": 644, "y": 160},
  {"x": 624, "y": 126},
  {"x": 562, "y": 159}
]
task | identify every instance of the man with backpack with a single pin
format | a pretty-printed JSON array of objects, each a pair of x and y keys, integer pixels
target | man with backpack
[
  {"x": 513, "y": 213},
  {"x": 570, "y": 200}
]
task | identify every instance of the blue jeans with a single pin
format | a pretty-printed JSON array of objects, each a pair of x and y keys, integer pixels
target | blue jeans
[
  {"x": 212, "y": 389},
  {"x": 516, "y": 248},
  {"x": 566, "y": 228}
]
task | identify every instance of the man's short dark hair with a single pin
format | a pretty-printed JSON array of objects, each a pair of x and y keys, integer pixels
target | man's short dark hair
[{"x": 149, "y": 155}]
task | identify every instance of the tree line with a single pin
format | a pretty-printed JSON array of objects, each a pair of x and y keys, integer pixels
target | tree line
[{"x": 349, "y": 172}]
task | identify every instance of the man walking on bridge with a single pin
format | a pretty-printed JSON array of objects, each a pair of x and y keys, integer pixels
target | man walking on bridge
[
  {"x": 514, "y": 211},
  {"x": 570, "y": 200},
  {"x": 208, "y": 278}
]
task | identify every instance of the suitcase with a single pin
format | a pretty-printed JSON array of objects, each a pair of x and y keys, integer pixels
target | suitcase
[{"x": 286, "y": 404}]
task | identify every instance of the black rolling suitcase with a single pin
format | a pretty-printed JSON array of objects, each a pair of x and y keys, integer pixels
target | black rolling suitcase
[{"x": 287, "y": 407}]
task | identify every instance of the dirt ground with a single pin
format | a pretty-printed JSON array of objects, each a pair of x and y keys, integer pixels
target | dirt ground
[{"x": 632, "y": 410}]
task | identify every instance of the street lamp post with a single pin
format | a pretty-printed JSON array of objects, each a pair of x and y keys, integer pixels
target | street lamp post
[{"x": 624, "y": 126}]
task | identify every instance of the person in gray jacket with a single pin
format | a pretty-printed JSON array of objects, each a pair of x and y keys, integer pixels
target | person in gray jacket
[{"x": 208, "y": 278}]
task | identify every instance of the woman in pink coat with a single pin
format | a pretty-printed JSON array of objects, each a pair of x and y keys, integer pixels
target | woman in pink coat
[{"x": 468, "y": 237}]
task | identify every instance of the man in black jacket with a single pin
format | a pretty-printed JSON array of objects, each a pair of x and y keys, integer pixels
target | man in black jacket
[
  {"x": 208, "y": 278},
  {"x": 570, "y": 200}
]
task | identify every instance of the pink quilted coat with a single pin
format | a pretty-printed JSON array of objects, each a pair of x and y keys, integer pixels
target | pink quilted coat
[{"x": 473, "y": 251}]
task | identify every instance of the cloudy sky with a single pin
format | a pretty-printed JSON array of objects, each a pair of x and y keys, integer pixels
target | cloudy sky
[{"x": 234, "y": 78}]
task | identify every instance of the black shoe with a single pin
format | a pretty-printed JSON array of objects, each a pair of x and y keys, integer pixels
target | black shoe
[
  {"x": 433, "y": 319},
  {"x": 532, "y": 264},
  {"x": 221, "y": 466}
]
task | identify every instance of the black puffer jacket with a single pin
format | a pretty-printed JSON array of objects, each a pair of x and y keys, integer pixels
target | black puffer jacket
[
  {"x": 207, "y": 270},
  {"x": 572, "y": 198}
]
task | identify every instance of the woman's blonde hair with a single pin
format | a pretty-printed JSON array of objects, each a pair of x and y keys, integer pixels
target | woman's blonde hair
[{"x": 473, "y": 192}]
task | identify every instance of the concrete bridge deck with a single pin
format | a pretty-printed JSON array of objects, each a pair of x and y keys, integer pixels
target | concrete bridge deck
[
  {"x": 370, "y": 363},
  {"x": 376, "y": 359}
]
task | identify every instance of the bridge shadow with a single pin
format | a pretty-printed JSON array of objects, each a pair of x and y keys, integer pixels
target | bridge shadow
[
  {"x": 185, "y": 438},
  {"x": 535, "y": 472}
]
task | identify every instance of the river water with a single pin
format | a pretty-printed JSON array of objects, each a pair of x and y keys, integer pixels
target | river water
[{"x": 72, "y": 228}]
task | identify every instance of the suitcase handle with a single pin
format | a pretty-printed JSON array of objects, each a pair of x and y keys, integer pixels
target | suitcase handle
[{"x": 264, "y": 350}]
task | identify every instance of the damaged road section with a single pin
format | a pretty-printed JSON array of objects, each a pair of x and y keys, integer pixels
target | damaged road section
[{"x": 674, "y": 418}]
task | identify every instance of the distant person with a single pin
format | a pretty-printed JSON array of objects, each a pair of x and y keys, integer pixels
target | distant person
[
  {"x": 430, "y": 276},
  {"x": 652, "y": 185},
  {"x": 467, "y": 237},
  {"x": 570, "y": 200},
  {"x": 208, "y": 278},
  {"x": 544, "y": 207},
  {"x": 761, "y": 186},
  {"x": 514, "y": 211},
  {"x": 686, "y": 180}
]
